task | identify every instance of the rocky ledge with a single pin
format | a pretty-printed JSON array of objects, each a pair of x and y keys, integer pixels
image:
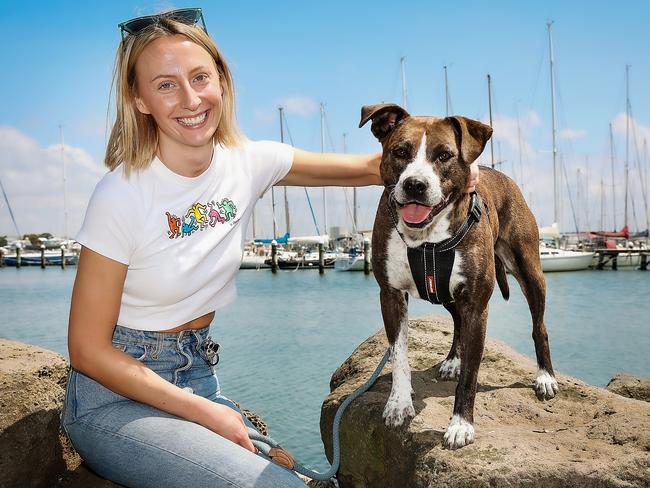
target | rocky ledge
[{"x": 584, "y": 437}]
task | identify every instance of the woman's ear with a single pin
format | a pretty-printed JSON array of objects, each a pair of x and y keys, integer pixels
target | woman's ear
[{"x": 141, "y": 106}]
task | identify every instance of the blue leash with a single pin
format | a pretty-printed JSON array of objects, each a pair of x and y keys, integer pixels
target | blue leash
[{"x": 269, "y": 447}]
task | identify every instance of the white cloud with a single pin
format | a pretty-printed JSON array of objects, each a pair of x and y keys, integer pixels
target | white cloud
[
  {"x": 638, "y": 131},
  {"x": 299, "y": 105},
  {"x": 32, "y": 176},
  {"x": 572, "y": 134}
]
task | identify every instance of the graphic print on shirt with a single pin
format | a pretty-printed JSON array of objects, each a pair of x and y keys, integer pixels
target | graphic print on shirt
[
  {"x": 174, "y": 225},
  {"x": 199, "y": 217}
]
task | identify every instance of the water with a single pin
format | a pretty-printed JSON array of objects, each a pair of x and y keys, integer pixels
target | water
[{"x": 286, "y": 334}]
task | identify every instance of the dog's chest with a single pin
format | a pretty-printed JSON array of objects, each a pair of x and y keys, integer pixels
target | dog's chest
[{"x": 398, "y": 270}]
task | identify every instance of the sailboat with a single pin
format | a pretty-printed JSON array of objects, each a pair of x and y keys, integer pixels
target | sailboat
[{"x": 553, "y": 258}]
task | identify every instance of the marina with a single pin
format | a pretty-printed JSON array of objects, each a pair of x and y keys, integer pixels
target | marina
[{"x": 305, "y": 325}]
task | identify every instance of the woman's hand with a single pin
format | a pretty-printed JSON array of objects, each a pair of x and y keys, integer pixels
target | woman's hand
[
  {"x": 473, "y": 178},
  {"x": 224, "y": 421}
]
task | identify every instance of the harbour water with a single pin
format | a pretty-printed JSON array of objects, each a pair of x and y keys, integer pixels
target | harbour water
[{"x": 286, "y": 333}]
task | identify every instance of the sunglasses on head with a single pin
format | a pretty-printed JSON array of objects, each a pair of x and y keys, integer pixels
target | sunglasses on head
[{"x": 188, "y": 16}]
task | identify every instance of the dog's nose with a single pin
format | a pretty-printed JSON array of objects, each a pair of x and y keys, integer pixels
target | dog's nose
[{"x": 415, "y": 186}]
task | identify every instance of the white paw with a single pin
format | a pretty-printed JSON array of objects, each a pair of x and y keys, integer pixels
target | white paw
[
  {"x": 545, "y": 385},
  {"x": 459, "y": 433},
  {"x": 449, "y": 369},
  {"x": 398, "y": 410}
]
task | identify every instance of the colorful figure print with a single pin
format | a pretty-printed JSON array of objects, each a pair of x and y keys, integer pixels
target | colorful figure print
[
  {"x": 189, "y": 227},
  {"x": 199, "y": 217},
  {"x": 174, "y": 226},
  {"x": 199, "y": 213},
  {"x": 214, "y": 215},
  {"x": 228, "y": 208}
]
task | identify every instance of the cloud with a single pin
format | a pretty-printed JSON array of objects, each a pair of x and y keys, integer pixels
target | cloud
[
  {"x": 571, "y": 134},
  {"x": 637, "y": 131},
  {"x": 299, "y": 105},
  {"x": 32, "y": 176},
  {"x": 296, "y": 105}
]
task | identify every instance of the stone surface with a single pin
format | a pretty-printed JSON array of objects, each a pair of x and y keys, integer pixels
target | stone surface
[
  {"x": 630, "y": 386},
  {"x": 32, "y": 384},
  {"x": 585, "y": 437}
]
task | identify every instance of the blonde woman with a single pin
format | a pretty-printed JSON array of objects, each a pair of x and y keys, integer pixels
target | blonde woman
[{"x": 162, "y": 241}]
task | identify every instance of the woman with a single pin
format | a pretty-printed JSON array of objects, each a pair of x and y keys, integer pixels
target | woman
[{"x": 162, "y": 241}]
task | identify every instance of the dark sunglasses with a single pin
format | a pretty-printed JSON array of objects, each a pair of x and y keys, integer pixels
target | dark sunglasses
[{"x": 188, "y": 16}]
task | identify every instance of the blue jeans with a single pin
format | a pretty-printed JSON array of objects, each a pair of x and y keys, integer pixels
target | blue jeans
[{"x": 137, "y": 445}]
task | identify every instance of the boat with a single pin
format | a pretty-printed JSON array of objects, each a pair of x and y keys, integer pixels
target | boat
[
  {"x": 554, "y": 259},
  {"x": 33, "y": 258},
  {"x": 350, "y": 263},
  {"x": 254, "y": 259}
]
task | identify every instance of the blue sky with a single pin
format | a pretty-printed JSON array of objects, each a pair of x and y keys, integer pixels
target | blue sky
[{"x": 58, "y": 59}]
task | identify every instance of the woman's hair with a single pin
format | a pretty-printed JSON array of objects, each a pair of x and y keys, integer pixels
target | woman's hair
[{"x": 134, "y": 136}]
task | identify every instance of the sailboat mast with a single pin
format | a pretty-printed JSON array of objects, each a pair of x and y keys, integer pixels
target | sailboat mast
[
  {"x": 602, "y": 203},
  {"x": 322, "y": 149},
  {"x": 627, "y": 135},
  {"x": 403, "y": 73},
  {"x": 65, "y": 198},
  {"x": 550, "y": 49},
  {"x": 286, "y": 200},
  {"x": 611, "y": 151},
  {"x": 521, "y": 167},
  {"x": 354, "y": 188},
  {"x": 586, "y": 196},
  {"x": 446, "y": 93},
  {"x": 489, "y": 79}
]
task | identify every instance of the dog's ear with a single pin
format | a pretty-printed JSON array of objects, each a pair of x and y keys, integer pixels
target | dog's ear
[
  {"x": 473, "y": 136},
  {"x": 385, "y": 117}
]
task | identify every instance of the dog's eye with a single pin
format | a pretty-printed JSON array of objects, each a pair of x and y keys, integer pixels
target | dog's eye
[
  {"x": 400, "y": 152},
  {"x": 444, "y": 156}
]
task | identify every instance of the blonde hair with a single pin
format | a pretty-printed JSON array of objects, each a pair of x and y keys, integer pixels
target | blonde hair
[{"x": 134, "y": 136}]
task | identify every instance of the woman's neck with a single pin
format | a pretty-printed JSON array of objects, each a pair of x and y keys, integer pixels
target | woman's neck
[{"x": 185, "y": 160}]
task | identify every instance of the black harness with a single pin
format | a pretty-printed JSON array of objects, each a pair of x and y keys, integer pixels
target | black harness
[{"x": 431, "y": 262}]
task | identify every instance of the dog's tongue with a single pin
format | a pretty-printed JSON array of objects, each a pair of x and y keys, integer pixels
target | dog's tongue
[{"x": 414, "y": 213}]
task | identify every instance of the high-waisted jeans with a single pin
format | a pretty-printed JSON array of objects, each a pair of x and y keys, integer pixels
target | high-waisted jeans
[{"x": 137, "y": 445}]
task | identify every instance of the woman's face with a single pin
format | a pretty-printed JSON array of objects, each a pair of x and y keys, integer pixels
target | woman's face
[{"x": 178, "y": 84}]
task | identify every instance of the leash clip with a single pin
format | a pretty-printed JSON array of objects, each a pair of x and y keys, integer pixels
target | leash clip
[{"x": 210, "y": 351}]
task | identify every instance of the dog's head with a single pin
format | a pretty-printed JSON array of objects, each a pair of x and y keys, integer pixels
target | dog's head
[{"x": 425, "y": 160}]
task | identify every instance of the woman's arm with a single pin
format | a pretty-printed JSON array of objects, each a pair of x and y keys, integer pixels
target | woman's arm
[
  {"x": 330, "y": 169},
  {"x": 93, "y": 314}
]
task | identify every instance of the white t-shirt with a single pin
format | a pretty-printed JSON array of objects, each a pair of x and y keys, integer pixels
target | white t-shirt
[{"x": 182, "y": 238}]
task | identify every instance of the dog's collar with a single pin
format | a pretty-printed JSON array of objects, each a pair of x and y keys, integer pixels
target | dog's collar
[{"x": 431, "y": 263}]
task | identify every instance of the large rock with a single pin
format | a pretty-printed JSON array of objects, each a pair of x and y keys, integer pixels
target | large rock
[
  {"x": 32, "y": 382},
  {"x": 585, "y": 437},
  {"x": 630, "y": 386}
]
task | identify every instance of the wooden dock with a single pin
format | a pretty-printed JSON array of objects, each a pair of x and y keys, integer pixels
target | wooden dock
[{"x": 611, "y": 257}]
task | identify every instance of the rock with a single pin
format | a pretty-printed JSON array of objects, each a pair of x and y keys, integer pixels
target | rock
[
  {"x": 584, "y": 437},
  {"x": 630, "y": 386},
  {"x": 32, "y": 384}
]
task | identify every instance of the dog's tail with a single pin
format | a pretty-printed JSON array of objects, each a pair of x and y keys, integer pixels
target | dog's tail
[{"x": 502, "y": 279}]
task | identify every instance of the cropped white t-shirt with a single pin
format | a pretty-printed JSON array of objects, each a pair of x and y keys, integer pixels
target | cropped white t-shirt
[{"x": 182, "y": 238}]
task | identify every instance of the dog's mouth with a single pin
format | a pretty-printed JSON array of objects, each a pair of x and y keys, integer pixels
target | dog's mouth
[{"x": 418, "y": 215}]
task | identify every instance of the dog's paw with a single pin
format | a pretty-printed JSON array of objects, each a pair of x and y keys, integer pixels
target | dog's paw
[
  {"x": 397, "y": 411},
  {"x": 449, "y": 369},
  {"x": 545, "y": 385},
  {"x": 459, "y": 433}
]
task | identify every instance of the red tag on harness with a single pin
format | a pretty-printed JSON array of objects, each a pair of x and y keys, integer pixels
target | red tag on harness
[{"x": 431, "y": 283}]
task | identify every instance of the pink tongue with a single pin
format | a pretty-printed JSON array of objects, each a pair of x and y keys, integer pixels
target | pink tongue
[{"x": 414, "y": 213}]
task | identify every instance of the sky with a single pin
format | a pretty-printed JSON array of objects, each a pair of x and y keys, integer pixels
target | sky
[{"x": 58, "y": 60}]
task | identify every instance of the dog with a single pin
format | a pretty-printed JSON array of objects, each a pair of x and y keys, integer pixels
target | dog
[{"x": 425, "y": 167}]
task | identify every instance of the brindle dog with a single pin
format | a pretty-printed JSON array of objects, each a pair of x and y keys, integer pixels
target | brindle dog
[{"x": 425, "y": 167}]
